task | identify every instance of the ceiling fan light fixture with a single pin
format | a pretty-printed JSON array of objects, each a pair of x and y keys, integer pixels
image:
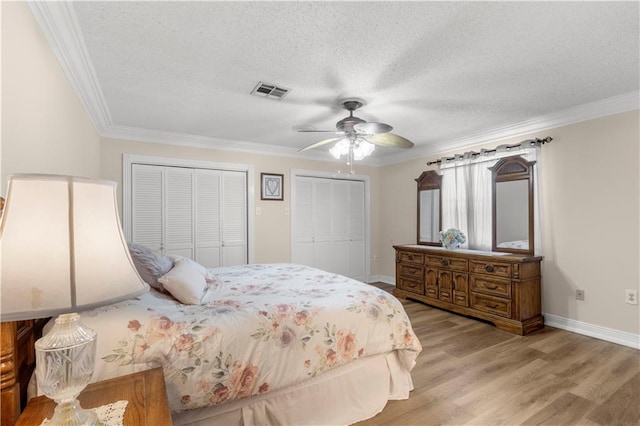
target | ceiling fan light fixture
[
  {"x": 340, "y": 148},
  {"x": 362, "y": 149}
]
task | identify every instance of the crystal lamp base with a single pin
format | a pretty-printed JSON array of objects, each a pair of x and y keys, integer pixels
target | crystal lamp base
[{"x": 65, "y": 358}]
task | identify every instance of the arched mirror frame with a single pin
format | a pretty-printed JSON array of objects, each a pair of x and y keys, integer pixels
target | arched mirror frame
[
  {"x": 511, "y": 169},
  {"x": 429, "y": 180}
]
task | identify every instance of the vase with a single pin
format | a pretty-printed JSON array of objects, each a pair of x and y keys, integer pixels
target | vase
[{"x": 451, "y": 246}]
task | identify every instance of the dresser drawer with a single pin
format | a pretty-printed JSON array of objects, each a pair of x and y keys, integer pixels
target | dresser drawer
[
  {"x": 499, "y": 287},
  {"x": 413, "y": 286},
  {"x": 490, "y": 304},
  {"x": 410, "y": 257},
  {"x": 498, "y": 269},
  {"x": 451, "y": 263},
  {"x": 411, "y": 271}
]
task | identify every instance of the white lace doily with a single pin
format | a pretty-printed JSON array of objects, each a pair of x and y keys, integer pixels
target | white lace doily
[{"x": 109, "y": 415}]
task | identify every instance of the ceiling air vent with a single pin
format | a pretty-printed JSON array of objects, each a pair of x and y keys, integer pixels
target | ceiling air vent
[{"x": 269, "y": 91}]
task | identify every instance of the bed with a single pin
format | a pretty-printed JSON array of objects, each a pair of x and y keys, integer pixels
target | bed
[
  {"x": 262, "y": 344},
  {"x": 517, "y": 244}
]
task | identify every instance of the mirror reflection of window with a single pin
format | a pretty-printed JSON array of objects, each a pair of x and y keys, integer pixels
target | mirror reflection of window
[
  {"x": 430, "y": 216},
  {"x": 512, "y": 214},
  {"x": 513, "y": 205},
  {"x": 429, "y": 203}
]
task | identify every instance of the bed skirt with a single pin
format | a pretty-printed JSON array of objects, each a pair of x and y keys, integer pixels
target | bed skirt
[{"x": 345, "y": 395}]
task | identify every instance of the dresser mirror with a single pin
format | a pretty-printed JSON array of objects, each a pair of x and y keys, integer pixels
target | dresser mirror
[
  {"x": 429, "y": 208},
  {"x": 512, "y": 204}
]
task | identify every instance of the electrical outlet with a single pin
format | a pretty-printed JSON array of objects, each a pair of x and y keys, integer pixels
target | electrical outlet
[
  {"x": 631, "y": 297},
  {"x": 579, "y": 294}
]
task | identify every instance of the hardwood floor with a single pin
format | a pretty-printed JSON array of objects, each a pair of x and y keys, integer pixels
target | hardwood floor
[{"x": 471, "y": 373}]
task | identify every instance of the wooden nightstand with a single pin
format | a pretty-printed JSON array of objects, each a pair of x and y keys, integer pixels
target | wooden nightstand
[{"x": 145, "y": 391}]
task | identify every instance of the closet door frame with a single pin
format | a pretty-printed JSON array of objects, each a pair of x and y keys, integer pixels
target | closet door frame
[
  {"x": 129, "y": 159},
  {"x": 295, "y": 173}
]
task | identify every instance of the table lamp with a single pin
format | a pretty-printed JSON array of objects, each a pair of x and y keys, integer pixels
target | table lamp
[{"x": 63, "y": 251}]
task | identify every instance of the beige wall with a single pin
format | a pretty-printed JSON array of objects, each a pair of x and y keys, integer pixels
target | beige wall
[
  {"x": 590, "y": 201},
  {"x": 44, "y": 126},
  {"x": 273, "y": 225}
]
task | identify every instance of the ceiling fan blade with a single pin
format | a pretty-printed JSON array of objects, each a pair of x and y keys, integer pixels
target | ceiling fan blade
[
  {"x": 307, "y": 128},
  {"x": 317, "y": 144},
  {"x": 373, "y": 128},
  {"x": 390, "y": 140}
]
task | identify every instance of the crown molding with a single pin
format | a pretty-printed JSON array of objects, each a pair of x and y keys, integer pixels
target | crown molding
[
  {"x": 602, "y": 108},
  {"x": 205, "y": 142},
  {"x": 60, "y": 26}
]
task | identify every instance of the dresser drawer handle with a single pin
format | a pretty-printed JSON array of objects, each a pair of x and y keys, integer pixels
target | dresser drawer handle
[
  {"x": 444, "y": 262},
  {"x": 488, "y": 268},
  {"x": 491, "y": 305},
  {"x": 410, "y": 257},
  {"x": 491, "y": 286}
]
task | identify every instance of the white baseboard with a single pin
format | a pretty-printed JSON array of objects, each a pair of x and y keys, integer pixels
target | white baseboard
[
  {"x": 383, "y": 279},
  {"x": 591, "y": 330}
]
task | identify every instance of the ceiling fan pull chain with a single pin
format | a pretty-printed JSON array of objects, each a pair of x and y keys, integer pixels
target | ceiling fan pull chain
[{"x": 351, "y": 145}]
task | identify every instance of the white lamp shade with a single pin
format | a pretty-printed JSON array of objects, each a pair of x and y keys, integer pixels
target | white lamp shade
[{"x": 63, "y": 249}]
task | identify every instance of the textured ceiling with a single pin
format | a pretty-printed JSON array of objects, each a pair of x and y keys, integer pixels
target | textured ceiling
[{"x": 436, "y": 71}]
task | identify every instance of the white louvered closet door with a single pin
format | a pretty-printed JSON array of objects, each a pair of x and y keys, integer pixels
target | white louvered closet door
[
  {"x": 147, "y": 200},
  {"x": 322, "y": 233},
  {"x": 234, "y": 218},
  {"x": 302, "y": 223},
  {"x": 208, "y": 218},
  {"x": 340, "y": 225},
  {"x": 179, "y": 208},
  {"x": 357, "y": 233}
]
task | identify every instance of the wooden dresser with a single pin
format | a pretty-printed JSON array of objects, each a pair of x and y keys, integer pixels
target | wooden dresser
[{"x": 497, "y": 287}]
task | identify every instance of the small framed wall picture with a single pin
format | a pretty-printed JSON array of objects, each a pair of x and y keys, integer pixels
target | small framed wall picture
[{"x": 272, "y": 186}]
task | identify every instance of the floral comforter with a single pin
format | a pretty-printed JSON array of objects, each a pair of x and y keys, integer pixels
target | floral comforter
[{"x": 266, "y": 327}]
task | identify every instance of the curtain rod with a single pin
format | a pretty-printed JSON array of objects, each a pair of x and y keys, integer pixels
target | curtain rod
[{"x": 532, "y": 142}]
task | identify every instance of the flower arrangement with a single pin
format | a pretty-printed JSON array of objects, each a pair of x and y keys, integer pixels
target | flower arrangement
[{"x": 452, "y": 238}]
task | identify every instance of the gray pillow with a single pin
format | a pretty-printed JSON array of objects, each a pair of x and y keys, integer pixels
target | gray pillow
[{"x": 150, "y": 265}]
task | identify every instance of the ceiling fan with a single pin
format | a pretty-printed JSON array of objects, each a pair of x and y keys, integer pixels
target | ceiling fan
[{"x": 357, "y": 137}]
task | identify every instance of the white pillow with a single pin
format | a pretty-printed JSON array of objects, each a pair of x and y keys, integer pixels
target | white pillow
[{"x": 186, "y": 281}]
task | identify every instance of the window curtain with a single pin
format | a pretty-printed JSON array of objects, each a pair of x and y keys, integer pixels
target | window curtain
[{"x": 466, "y": 193}]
